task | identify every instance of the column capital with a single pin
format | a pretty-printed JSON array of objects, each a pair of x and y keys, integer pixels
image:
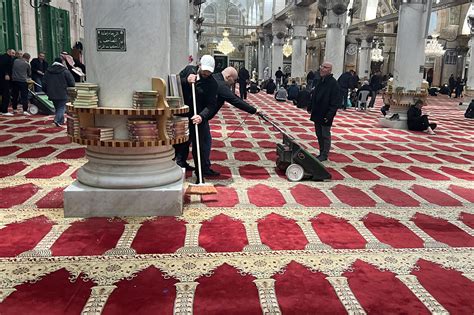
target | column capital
[{"x": 300, "y": 16}]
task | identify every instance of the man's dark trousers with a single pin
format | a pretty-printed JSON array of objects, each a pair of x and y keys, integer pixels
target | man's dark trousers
[
  {"x": 20, "y": 90},
  {"x": 204, "y": 143},
  {"x": 5, "y": 91},
  {"x": 243, "y": 89},
  {"x": 324, "y": 139}
]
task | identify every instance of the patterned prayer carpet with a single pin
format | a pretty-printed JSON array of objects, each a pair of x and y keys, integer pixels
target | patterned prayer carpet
[{"x": 392, "y": 233}]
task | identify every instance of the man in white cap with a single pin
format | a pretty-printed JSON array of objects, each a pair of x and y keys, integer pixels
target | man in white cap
[{"x": 206, "y": 103}]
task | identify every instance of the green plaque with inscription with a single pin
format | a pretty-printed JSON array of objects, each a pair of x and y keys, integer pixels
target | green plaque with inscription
[{"x": 111, "y": 39}]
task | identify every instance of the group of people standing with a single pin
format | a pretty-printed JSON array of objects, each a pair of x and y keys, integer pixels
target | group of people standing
[{"x": 16, "y": 72}]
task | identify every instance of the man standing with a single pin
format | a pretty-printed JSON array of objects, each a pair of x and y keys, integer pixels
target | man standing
[
  {"x": 6, "y": 64},
  {"x": 324, "y": 104},
  {"x": 38, "y": 69},
  {"x": 20, "y": 73},
  {"x": 55, "y": 83},
  {"x": 278, "y": 76},
  {"x": 244, "y": 77},
  {"x": 206, "y": 91},
  {"x": 375, "y": 85}
]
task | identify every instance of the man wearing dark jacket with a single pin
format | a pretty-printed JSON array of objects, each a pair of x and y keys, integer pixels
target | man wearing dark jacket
[
  {"x": 375, "y": 85},
  {"x": 278, "y": 76},
  {"x": 206, "y": 91},
  {"x": 6, "y": 64},
  {"x": 55, "y": 83},
  {"x": 225, "y": 80},
  {"x": 38, "y": 69},
  {"x": 271, "y": 86},
  {"x": 324, "y": 104},
  {"x": 244, "y": 77},
  {"x": 345, "y": 83}
]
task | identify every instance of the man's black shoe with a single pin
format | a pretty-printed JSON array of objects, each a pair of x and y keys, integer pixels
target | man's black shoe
[
  {"x": 321, "y": 158},
  {"x": 210, "y": 173},
  {"x": 187, "y": 167}
]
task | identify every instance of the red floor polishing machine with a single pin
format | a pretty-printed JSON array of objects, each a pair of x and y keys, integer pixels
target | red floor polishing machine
[{"x": 294, "y": 160}]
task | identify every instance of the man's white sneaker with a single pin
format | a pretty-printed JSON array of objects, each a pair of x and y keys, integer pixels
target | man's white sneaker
[
  {"x": 7, "y": 114},
  {"x": 26, "y": 114}
]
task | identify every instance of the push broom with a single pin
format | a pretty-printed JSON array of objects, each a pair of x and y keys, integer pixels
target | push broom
[{"x": 200, "y": 188}]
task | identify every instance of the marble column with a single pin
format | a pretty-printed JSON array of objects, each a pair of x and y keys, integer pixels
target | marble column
[
  {"x": 300, "y": 29},
  {"x": 278, "y": 30},
  {"x": 335, "y": 40},
  {"x": 364, "y": 59},
  {"x": 179, "y": 10},
  {"x": 260, "y": 55},
  {"x": 267, "y": 54},
  {"x": 409, "y": 63},
  {"x": 116, "y": 181},
  {"x": 411, "y": 32}
]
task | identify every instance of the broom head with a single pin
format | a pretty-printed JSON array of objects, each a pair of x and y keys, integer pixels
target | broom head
[{"x": 201, "y": 189}]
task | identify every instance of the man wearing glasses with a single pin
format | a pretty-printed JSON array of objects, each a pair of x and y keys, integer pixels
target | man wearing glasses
[{"x": 324, "y": 104}]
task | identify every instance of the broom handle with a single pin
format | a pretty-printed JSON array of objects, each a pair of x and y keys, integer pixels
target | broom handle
[{"x": 196, "y": 129}]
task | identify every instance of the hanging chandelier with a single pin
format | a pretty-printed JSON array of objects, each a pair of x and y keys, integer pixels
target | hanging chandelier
[
  {"x": 225, "y": 46},
  {"x": 433, "y": 48},
  {"x": 287, "y": 49},
  {"x": 376, "y": 54}
]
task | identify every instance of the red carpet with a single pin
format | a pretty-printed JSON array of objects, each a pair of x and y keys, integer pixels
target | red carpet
[{"x": 391, "y": 233}]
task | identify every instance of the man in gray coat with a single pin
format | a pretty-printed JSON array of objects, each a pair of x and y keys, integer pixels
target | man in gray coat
[
  {"x": 55, "y": 83},
  {"x": 21, "y": 72}
]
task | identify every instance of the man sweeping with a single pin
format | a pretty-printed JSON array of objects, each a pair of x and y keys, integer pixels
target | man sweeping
[{"x": 205, "y": 87}]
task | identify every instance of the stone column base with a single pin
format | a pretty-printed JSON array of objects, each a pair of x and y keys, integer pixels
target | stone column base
[
  {"x": 86, "y": 201},
  {"x": 396, "y": 124}
]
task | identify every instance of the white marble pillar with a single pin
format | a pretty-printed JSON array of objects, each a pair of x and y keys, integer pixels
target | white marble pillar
[
  {"x": 126, "y": 181},
  {"x": 410, "y": 47},
  {"x": 409, "y": 64},
  {"x": 278, "y": 31},
  {"x": 260, "y": 55},
  {"x": 300, "y": 29},
  {"x": 267, "y": 54},
  {"x": 335, "y": 40},
  {"x": 364, "y": 59},
  {"x": 179, "y": 10}
]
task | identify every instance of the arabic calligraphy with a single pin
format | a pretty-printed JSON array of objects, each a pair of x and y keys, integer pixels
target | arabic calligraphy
[{"x": 111, "y": 39}]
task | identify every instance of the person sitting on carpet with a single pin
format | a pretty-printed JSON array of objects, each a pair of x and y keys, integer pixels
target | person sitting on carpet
[
  {"x": 271, "y": 86},
  {"x": 470, "y": 110},
  {"x": 293, "y": 90},
  {"x": 417, "y": 121},
  {"x": 253, "y": 88},
  {"x": 303, "y": 99},
  {"x": 281, "y": 95}
]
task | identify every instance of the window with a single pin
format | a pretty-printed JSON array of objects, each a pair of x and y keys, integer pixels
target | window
[
  {"x": 53, "y": 31},
  {"x": 10, "y": 31},
  {"x": 209, "y": 16},
  {"x": 234, "y": 18},
  {"x": 450, "y": 57}
]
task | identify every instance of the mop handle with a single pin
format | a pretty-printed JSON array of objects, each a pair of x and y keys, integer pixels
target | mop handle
[{"x": 198, "y": 150}]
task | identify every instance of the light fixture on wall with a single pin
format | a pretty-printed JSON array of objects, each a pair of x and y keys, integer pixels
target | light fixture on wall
[
  {"x": 376, "y": 54},
  {"x": 225, "y": 46},
  {"x": 39, "y": 3},
  {"x": 433, "y": 48},
  {"x": 287, "y": 49}
]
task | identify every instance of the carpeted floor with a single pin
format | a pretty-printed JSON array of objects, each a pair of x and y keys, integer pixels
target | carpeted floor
[{"x": 392, "y": 233}]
